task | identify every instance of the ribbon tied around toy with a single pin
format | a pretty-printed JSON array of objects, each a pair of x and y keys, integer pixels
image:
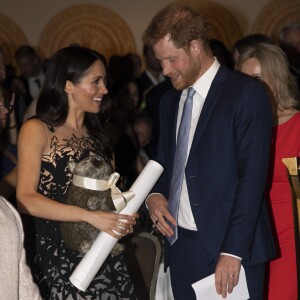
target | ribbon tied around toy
[{"x": 120, "y": 199}]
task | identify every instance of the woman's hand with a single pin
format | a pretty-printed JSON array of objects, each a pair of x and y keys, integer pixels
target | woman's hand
[{"x": 117, "y": 225}]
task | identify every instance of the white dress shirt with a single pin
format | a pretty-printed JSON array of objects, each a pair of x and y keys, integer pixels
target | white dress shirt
[
  {"x": 161, "y": 78},
  {"x": 202, "y": 86},
  {"x": 34, "y": 87}
]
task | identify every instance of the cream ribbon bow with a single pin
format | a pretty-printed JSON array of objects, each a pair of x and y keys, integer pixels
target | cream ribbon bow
[{"x": 120, "y": 199}]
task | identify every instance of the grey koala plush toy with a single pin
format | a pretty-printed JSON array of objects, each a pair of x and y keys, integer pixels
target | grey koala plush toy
[{"x": 79, "y": 236}]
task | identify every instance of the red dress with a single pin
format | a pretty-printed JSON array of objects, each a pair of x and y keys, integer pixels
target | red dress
[{"x": 283, "y": 276}]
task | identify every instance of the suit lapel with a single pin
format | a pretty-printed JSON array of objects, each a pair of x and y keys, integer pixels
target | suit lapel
[{"x": 211, "y": 100}]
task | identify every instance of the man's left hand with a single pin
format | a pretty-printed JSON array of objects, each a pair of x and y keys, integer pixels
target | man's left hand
[{"x": 227, "y": 274}]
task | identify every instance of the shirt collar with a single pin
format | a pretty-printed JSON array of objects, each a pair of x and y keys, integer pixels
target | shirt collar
[
  {"x": 202, "y": 85},
  {"x": 153, "y": 79}
]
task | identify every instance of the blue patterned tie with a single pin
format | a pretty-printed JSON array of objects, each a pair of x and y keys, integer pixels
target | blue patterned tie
[{"x": 180, "y": 161}]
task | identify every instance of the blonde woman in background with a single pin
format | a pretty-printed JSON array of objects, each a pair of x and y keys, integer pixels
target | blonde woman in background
[{"x": 269, "y": 63}]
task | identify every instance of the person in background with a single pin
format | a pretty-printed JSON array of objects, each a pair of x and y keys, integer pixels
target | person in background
[
  {"x": 153, "y": 99},
  {"x": 152, "y": 74},
  {"x": 289, "y": 41},
  {"x": 130, "y": 68},
  {"x": 8, "y": 141},
  {"x": 67, "y": 128},
  {"x": 2, "y": 66},
  {"x": 247, "y": 41},
  {"x": 13, "y": 81},
  {"x": 13, "y": 84},
  {"x": 221, "y": 52},
  {"x": 12, "y": 108},
  {"x": 269, "y": 63},
  {"x": 32, "y": 71},
  {"x": 16, "y": 282},
  {"x": 142, "y": 126},
  {"x": 113, "y": 69},
  {"x": 8, "y": 116},
  {"x": 8, "y": 149},
  {"x": 209, "y": 202},
  {"x": 119, "y": 130}
]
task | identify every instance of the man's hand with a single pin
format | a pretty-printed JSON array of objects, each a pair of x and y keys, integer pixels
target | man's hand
[
  {"x": 227, "y": 274},
  {"x": 157, "y": 206}
]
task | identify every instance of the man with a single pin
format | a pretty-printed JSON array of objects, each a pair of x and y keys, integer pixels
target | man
[
  {"x": 152, "y": 100},
  {"x": 152, "y": 75},
  {"x": 18, "y": 104},
  {"x": 222, "y": 219},
  {"x": 289, "y": 39},
  {"x": 31, "y": 69}
]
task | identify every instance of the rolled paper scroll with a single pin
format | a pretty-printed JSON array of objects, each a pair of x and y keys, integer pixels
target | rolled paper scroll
[{"x": 101, "y": 248}]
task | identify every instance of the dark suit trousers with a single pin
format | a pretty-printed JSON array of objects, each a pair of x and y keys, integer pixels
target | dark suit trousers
[{"x": 189, "y": 262}]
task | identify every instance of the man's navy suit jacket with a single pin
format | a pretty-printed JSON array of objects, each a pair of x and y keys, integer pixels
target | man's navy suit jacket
[{"x": 227, "y": 166}]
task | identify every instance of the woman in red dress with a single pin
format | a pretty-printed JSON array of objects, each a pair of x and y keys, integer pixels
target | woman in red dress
[{"x": 268, "y": 63}]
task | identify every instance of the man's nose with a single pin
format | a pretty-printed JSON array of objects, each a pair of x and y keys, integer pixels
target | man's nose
[{"x": 165, "y": 67}]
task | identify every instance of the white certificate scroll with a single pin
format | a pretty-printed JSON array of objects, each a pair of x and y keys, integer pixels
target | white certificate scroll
[{"x": 101, "y": 248}]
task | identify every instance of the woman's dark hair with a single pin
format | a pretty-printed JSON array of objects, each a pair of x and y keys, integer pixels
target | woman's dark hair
[
  {"x": 250, "y": 40},
  {"x": 221, "y": 52},
  {"x": 70, "y": 63},
  {"x": 107, "y": 108},
  {"x": 6, "y": 95},
  {"x": 120, "y": 83}
]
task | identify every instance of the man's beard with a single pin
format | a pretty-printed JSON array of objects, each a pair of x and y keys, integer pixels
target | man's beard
[{"x": 188, "y": 78}]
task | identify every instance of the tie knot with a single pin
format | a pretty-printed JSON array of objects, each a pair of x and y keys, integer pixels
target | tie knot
[{"x": 191, "y": 92}]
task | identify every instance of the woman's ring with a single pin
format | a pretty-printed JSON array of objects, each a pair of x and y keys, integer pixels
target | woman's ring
[{"x": 231, "y": 275}]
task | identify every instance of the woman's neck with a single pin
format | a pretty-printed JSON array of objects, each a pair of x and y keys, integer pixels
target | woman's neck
[
  {"x": 75, "y": 122},
  {"x": 283, "y": 115}
]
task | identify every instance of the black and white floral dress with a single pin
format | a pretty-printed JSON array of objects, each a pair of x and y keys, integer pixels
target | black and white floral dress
[{"x": 53, "y": 263}]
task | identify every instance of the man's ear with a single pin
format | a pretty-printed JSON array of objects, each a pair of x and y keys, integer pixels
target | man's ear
[
  {"x": 69, "y": 87},
  {"x": 195, "y": 47}
]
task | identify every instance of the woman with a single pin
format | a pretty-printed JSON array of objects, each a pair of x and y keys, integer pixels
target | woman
[
  {"x": 67, "y": 128},
  {"x": 9, "y": 137},
  {"x": 268, "y": 63},
  {"x": 8, "y": 148},
  {"x": 14, "y": 85}
]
